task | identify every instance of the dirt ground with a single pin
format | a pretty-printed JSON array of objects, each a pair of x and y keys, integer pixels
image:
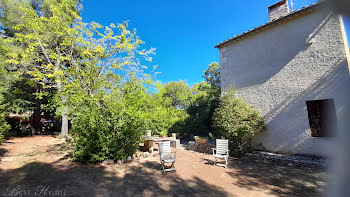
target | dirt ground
[{"x": 37, "y": 166}]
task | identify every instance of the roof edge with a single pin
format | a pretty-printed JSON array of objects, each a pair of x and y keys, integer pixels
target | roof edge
[{"x": 261, "y": 27}]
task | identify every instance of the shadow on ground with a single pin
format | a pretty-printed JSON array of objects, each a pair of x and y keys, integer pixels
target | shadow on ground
[
  {"x": 278, "y": 180},
  {"x": 86, "y": 180},
  {"x": 2, "y": 152}
]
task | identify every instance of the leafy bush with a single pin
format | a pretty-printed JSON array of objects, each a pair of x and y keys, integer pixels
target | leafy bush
[
  {"x": 199, "y": 113},
  {"x": 204, "y": 99},
  {"x": 159, "y": 114},
  {"x": 4, "y": 127},
  {"x": 104, "y": 127},
  {"x": 99, "y": 135},
  {"x": 111, "y": 125},
  {"x": 237, "y": 121}
]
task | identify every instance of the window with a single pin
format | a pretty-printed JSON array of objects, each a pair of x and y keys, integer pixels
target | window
[{"x": 322, "y": 118}]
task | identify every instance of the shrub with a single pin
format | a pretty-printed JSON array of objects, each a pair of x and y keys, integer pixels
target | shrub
[
  {"x": 4, "y": 127},
  {"x": 237, "y": 121},
  {"x": 110, "y": 125},
  {"x": 107, "y": 125},
  {"x": 98, "y": 135},
  {"x": 159, "y": 116}
]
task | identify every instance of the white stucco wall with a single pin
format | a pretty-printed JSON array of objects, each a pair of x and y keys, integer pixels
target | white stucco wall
[{"x": 279, "y": 69}]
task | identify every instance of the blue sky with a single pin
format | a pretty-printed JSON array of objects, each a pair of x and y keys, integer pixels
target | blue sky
[{"x": 184, "y": 32}]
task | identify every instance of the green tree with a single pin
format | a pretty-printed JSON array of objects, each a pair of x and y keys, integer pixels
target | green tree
[
  {"x": 106, "y": 92},
  {"x": 30, "y": 32},
  {"x": 9, "y": 17},
  {"x": 237, "y": 121},
  {"x": 4, "y": 81},
  {"x": 204, "y": 100},
  {"x": 101, "y": 84},
  {"x": 46, "y": 36},
  {"x": 212, "y": 77},
  {"x": 178, "y": 94}
]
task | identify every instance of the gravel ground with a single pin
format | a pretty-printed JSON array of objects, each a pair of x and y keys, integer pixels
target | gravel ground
[{"x": 37, "y": 166}]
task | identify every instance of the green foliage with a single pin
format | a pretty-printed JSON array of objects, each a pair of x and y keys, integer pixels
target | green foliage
[
  {"x": 178, "y": 94},
  {"x": 103, "y": 128},
  {"x": 5, "y": 81},
  {"x": 199, "y": 112},
  {"x": 20, "y": 96},
  {"x": 96, "y": 70},
  {"x": 4, "y": 127},
  {"x": 26, "y": 36},
  {"x": 106, "y": 95},
  {"x": 204, "y": 99},
  {"x": 111, "y": 125},
  {"x": 237, "y": 121},
  {"x": 212, "y": 77},
  {"x": 160, "y": 114},
  {"x": 50, "y": 58}
]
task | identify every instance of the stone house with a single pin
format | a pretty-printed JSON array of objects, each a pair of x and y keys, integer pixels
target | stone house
[{"x": 294, "y": 70}]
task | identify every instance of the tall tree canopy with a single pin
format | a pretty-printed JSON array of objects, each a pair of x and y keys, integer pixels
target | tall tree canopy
[
  {"x": 212, "y": 77},
  {"x": 199, "y": 102},
  {"x": 179, "y": 94},
  {"x": 32, "y": 32}
]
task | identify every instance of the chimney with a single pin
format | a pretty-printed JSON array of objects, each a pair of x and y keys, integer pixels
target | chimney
[{"x": 278, "y": 10}]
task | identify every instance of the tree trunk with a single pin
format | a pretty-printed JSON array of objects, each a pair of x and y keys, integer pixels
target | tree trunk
[
  {"x": 37, "y": 111},
  {"x": 64, "y": 125}
]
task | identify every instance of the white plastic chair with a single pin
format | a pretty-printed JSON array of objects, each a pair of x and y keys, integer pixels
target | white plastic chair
[
  {"x": 221, "y": 151},
  {"x": 166, "y": 156}
]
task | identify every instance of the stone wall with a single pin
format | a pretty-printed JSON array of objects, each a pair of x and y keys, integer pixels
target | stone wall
[{"x": 278, "y": 11}]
